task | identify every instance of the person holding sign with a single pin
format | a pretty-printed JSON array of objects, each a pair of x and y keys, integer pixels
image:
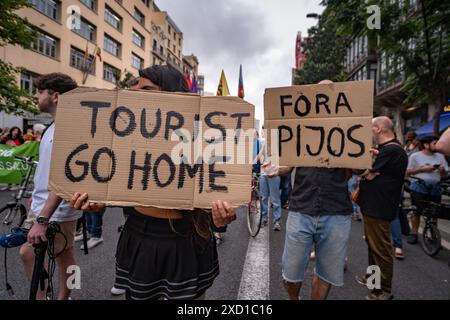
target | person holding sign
[
  {"x": 165, "y": 254},
  {"x": 319, "y": 216}
]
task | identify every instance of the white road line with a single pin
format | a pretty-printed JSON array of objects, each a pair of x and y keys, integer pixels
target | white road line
[{"x": 255, "y": 280}]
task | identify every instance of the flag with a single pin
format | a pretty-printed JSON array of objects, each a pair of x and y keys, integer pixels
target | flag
[
  {"x": 194, "y": 86},
  {"x": 188, "y": 80},
  {"x": 241, "y": 84},
  {"x": 99, "y": 54},
  {"x": 222, "y": 90}
]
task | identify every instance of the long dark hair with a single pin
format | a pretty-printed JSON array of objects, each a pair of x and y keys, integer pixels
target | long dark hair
[{"x": 171, "y": 80}]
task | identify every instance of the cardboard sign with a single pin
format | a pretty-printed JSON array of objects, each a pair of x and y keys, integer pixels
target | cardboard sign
[
  {"x": 144, "y": 148},
  {"x": 325, "y": 125}
]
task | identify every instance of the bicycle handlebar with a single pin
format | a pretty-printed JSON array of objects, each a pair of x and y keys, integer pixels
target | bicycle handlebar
[{"x": 28, "y": 160}]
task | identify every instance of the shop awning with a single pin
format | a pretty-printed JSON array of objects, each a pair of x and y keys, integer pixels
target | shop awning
[{"x": 427, "y": 129}]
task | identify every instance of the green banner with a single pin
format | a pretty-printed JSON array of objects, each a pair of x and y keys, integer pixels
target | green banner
[{"x": 12, "y": 170}]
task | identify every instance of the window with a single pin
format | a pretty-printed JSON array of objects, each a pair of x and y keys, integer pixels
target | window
[
  {"x": 86, "y": 30},
  {"x": 168, "y": 44},
  {"x": 146, "y": 2},
  {"x": 79, "y": 61},
  {"x": 174, "y": 49},
  {"x": 45, "y": 44},
  {"x": 139, "y": 16},
  {"x": 138, "y": 39},
  {"x": 48, "y": 7},
  {"x": 155, "y": 45},
  {"x": 136, "y": 61},
  {"x": 154, "y": 61},
  {"x": 179, "y": 41},
  {"x": 113, "y": 18},
  {"x": 112, "y": 46},
  {"x": 91, "y": 4},
  {"x": 170, "y": 30},
  {"x": 161, "y": 51},
  {"x": 179, "y": 54},
  {"x": 174, "y": 35},
  {"x": 26, "y": 82},
  {"x": 110, "y": 73}
]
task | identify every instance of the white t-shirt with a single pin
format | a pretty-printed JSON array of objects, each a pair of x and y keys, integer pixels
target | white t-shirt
[
  {"x": 40, "y": 193},
  {"x": 420, "y": 159}
]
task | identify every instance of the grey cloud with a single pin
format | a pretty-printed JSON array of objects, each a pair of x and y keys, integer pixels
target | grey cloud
[{"x": 222, "y": 31}]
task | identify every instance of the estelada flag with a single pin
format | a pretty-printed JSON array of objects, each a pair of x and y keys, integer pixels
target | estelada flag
[
  {"x": 222, "y": 90},
  {"x": 241, "y": 84}
]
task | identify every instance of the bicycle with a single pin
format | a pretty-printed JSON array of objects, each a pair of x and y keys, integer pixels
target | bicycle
[
  {"x": 15, "y": 209},
  {"x": 254, "y": 213},
  {"x": 432, "y": 211}
]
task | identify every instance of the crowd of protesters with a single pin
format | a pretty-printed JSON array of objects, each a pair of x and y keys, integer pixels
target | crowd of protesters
[{"x": 320, "y": 203}]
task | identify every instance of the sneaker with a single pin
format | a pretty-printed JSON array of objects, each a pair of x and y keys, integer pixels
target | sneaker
[
  {"x": 361, "y": 280},
  {"x": 92, "y": 242},
  {"x": 399, "y": 255},
  {"x": 6, "y": 188},
  {"x": 277, "y": 226},
  {"x": 412, "y": 239},
  {"x": 79, "y": 237},
  {"x": 312, "y": 255},
  {"x": 346, "y": 264},
  {"x": 14, "y": 188},
  {"x": 380, "y": 295},
  {"x": 117, "y": 292}
]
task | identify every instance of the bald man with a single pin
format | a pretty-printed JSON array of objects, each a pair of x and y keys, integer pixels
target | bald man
[{"x": 380, "y": 192}]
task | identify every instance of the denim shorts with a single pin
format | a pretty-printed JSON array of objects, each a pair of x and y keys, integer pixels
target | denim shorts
[{"x": 329, "y": 234}]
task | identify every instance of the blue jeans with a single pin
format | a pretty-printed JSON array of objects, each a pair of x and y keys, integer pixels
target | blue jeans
[
  {"x": 396, "y": 231},
  {"x": 94, "y": 223},
  {"x": 285, "y": 181},
  {"x": 330, "y": 234},
  {"x": 270, "y": 187}
]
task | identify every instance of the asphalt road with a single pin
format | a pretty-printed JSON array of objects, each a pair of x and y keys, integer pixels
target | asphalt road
[{"x": 249, "y": 268}]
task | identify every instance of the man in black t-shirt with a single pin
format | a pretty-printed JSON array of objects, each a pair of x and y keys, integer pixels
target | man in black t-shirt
[{"x": 380, "y": 192}]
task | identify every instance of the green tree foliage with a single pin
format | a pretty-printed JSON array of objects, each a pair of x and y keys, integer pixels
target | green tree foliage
[
  {"x": 14, "y": 30},
  {"x": 415, "y": 34},
  {"x": 325, "y": 51}
]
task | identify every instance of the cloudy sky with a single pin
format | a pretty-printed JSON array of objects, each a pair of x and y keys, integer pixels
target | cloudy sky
[{"x": 259, "y": 34}]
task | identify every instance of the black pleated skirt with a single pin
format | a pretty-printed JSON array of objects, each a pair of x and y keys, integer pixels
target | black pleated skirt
[{"x": 161, "y": 258}]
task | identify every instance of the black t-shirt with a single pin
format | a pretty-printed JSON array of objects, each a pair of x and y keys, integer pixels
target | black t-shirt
[
  {"x": 380, "y": 197},
  {"x": 320, "y": 191}
]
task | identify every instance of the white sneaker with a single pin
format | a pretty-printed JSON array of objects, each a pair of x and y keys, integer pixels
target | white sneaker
[
  {"x": 117, "y": 292},
  {"x": 92, "y": 242},
  {"x": 79, "y": 237}
]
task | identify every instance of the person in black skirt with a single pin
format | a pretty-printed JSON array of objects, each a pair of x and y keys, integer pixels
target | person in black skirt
[{"x": 166, "y": 254}]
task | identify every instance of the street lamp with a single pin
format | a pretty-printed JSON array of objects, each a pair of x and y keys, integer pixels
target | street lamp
[{"x": 313, "y": 15}]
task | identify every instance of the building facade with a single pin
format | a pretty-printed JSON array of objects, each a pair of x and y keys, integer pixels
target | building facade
[{"x": 96, "y": 42}]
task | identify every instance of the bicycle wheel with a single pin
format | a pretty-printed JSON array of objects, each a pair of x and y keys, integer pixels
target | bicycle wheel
[
  {"x": 431, "y": 239},
  {"x": 14, "y": 216},
  {"x": 254, "y": 215}
]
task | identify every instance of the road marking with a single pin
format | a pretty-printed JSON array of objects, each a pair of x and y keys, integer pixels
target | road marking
[{"x": 255, "y": 280}]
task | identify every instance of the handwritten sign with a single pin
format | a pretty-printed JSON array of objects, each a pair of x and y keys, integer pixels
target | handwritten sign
[
  {"x": 325, "y": 125},
  {"x": 143, "y": 148}
]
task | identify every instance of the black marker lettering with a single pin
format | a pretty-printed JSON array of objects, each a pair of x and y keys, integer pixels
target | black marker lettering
[
  {"x": 280, "y": 137},
  {"x": 344, "y": 103},
  {"x": 216, "y": 126},
  {"x": 131, "y": 121},
  {"x": 155, "y": 130},
  {"x": 355, "y": 141},
  {"x": 95, "y": 105},
  {"x": 322, "y": 140},
  {"x": 322, "y": 100},
  {"x": 342, "y": 142},
  {"x": 84, "y": 164},
  {"x": 213, "y": 175},
  {"x": 239, "y": 117},
  {"x": 171, "y": 165},
  {"x": 169, "y": 125},
  {"x": 94, "y": 166},
  {"x": 145, "y": 168},
  {"x": 284, "y": 104},
  {"x": 307, "y": 105}
]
